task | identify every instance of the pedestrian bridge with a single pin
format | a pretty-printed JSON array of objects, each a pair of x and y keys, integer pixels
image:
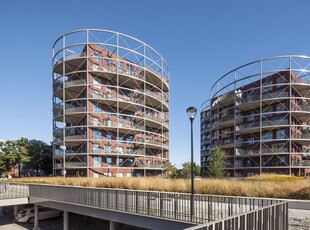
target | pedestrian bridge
[{"x": 161, "y": 210}]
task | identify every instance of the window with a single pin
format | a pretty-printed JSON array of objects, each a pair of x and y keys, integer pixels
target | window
[
  {"x": 119, "y": 174},
  {"x": 129, "y": 69},
  {"x": 119, "y": 161},
  {"x": 107, "y": 149},
  {"x": 96, "y": 174},
  {"x": 109, "y": 161},
  {"x": 109, "y": 137},
  {"x": 97, "y": 162},
  {"x": 281, "y": 80},
  {"x": 96, "y": 122},
  {"x": 96, "y": 94},
  {"x": 267, "y": 162},
  {"x": 95, "y": 67},
  {"x": 120, "y": 139},
  {"x": 97, "y": 55},
  {"x": 97, "y": 83},
  {"x": 267, "y": 136},
  {"x": 250, "y": 116},
  {"x": 97, "y": 109},
  {"x": 281, "y": 134},
  {"x": 120, "y": 150},
  {"x": 108, "y": 87},
  {"x": 96, "y": 148},
  {"x": 250, "y": 139},
  {"x": 250, "y": 92},
  {"x": 128, "y": 174},
  {"x": 250, "y": 163},
  {"x": 267, "y": 89},
  {"x": 109, "y": 62},
  {"x": 119, "y": 65},
  {"x": 281, "y": 107},
  {"x": 108, "y": 174},
  {"x": 97, "y": 135}
]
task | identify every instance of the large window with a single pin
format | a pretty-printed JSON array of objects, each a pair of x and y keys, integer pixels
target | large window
[
  {"x": 97, "y": 109},
  {"x": 97, "y": 162},
  {"x": 281, "y": 134},
  {"x": 97, "y": 55},
  {"x": 97, "y": 82},
  {"x": 267, "y": 136},
  {"x": 120, "y": 150},
  {"x": 109, "y": 161},
  {"x": 109, "y": 137},
  {"x": 107, "y": 149},
  {"x": 97, "y": 135}
]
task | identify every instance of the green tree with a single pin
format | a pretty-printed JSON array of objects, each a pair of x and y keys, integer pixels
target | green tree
[
  {"x": 186, "y": 170},
  {"x": 40, "y": 155},
  {"x": 15, "y": 153},
  {"x": 216, "y": 163},
  {"x": 171, "y": 170}
]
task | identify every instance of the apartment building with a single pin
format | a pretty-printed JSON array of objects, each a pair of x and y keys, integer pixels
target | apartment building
[
  {"x": 110, "y": 106},
  {"x": 259, "y": 114}
]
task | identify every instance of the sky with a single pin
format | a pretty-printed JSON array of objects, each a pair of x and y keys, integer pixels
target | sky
[{"x": 200, "y": 40}]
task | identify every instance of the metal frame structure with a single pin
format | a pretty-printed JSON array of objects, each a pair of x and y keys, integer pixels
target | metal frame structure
[
  {"x": 259, "y": 114},
  {"x": 110, "y": 106}
]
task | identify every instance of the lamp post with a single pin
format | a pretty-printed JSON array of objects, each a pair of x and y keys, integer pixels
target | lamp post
[{"x": 191, "y": 112}]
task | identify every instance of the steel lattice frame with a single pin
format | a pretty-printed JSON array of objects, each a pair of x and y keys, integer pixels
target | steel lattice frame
[
  {"x": 110, "y": 106},
  {"x": 259, "y": 114}
]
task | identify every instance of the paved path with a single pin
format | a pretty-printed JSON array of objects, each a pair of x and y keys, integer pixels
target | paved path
[{"x": 299, "y": 219}]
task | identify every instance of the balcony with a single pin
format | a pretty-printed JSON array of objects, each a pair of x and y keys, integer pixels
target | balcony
[
  {"x": 75, "y": 110},
  {"x": 246, "y": 151},
  {"x": 71, "y": 165},
  {"x": 266, "y": 150},
  {"x": 69, "y": 57}
]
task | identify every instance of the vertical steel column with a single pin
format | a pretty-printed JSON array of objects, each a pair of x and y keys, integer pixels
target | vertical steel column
[
  {"x": 192, "y": 172},
  {"x": 117, "y": 101},
  {"x": 144, "y": 106},
  {"x": 290, "y": 116},
  {"x": 36, "y": 217},
  {"x": 261, "y": 117},
  {"x": 87, "y": 103},
  {"x": 64, "y": 105},
  {"x": 112, "y": 225},
  {"x": 65, "y": 220}
]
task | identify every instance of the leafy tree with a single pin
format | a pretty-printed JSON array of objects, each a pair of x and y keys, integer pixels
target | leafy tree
[
  {"x": 186, "y": 170},
  {"x": 171, "y": 170},
  {"x": 216, "y": 163},
  {"x": 2, "y": 161},
  {"x": 41, "y": 156},
  {"x": 15, "y": 153}
]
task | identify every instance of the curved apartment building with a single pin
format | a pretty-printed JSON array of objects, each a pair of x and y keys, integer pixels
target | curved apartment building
[
  {"x": 110, "y": 106},
  {"x": 259, "y": 114}
]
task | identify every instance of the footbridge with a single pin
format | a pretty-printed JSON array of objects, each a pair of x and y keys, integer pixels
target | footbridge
[{"x": 156, "y": 210}]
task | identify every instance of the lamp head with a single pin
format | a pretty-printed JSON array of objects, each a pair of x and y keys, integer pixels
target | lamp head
[{"x": 191, "y": 112}]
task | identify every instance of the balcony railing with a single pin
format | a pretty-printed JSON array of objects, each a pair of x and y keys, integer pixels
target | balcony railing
[
  {"x": 158, "y": 204},
  {"x": 71, "y": 165}
]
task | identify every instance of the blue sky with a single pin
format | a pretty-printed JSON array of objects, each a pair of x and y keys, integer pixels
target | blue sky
[{"x": 200, "y": 40}]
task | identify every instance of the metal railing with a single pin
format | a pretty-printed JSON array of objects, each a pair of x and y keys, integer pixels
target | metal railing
[
  {"x": 12, "y": 191},
  {"x": 273, "y": 217},
  {"x": 207, "y": 208}
]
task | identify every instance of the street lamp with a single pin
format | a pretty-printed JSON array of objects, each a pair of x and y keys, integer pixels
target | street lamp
[{"x": 191, "y": 112}]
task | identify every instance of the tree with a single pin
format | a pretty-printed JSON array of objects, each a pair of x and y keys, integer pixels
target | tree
[
  {"x": 171, "y": 170},
  {"x": 216, "y": 163},
  {"x": 41, "y": 156},
  {"x": 186, "y": 170},
  {"x": 15, "y": 153}
]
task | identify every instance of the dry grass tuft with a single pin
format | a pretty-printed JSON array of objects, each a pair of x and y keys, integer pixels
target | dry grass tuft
[{"x": 269, "y": 185}]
